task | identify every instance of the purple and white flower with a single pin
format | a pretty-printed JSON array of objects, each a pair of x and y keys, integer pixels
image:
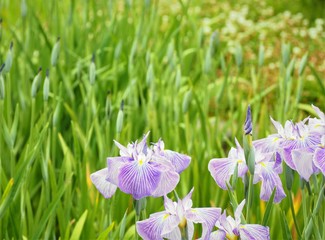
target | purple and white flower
[
  {"x": 176, "y": 217},
  {"x": 140, "y": 171},
  {"x": 222, "y": 169},
  {"x": 230, "y": 228}
]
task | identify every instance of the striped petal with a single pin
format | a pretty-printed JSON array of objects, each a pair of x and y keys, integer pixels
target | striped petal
[
  {"x": 303, "y": 160},
  {"x": 206, "y": 216},
  {"x": 167, "y": 183},
  {"x": 106, "y": 188},
  {"x": 221, "y": 170},
  {"x": 319, "y": 159},
  {"x": 157, "y": 226},
  {"x": 179, "y": 161},
  {"x": 254, "y": 232},
  {"x": 138, "y": 180},
  {"x": 218, "y": 235},
  {"x": 114, "y": 165}
]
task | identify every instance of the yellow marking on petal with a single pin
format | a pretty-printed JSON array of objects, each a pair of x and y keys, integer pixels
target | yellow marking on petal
[
  {"x": 183, "y": 223},
  {"x": 165, "y": 216},
  {"x": 140, "y": 162},
  {"x": 275, "y": 139},
  {"x": 263, "y": 164},
  {"x": 231, "y": 237},
  {"x": 240, "y": 161},
  {"x": 193, "y": 210}
]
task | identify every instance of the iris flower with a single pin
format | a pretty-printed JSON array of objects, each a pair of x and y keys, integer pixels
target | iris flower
[
  {"x": 140, "y": 171},
  {"x": 230, "y": 228},
  {"x": 267, "y": 169},
  {"x": 177, "y": 216},
  {"x": 222, "y": 169}
]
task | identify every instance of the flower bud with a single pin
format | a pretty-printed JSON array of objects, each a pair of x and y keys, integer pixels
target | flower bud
[
  {"x": 187, "y": 100},
  {"x": 303, "y": 64},
  {"x": 36, "y": 83},
  {"x": 55, "y": 52},
  {"x": 92, "y": 71},
  {"x": 8, "y": 62},
  {"x": 46, "y": 86},
  {"x": 120, "y": 116}
]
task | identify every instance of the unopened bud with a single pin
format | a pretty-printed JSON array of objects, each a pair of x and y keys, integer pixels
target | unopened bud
[
  {"x": 36, "y": 83},
  {"x": 55, "y": 52},
  {"x": 46, "y": 86},
  {"x": 120, "y": 117},
  {"x": 92, "y": 71}
]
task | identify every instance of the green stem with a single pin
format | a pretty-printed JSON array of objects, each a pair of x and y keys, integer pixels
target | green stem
[
  {"x": 294, "y": 215},
  {"x": 249, "y": 198},
  {"x": 32, "y": 116}
]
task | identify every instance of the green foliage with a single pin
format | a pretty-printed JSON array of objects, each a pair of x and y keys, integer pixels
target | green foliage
[{"x": 176, "y": 79}]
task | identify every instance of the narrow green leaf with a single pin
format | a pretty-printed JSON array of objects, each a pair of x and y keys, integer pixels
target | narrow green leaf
[
  {"x": 79, "y": 226},
  {"x": 285, "y": 228},
  {"x": 104, "y": 234},
  {"x": 50, "y": 212},
  {"x": 269, "y": 208}
]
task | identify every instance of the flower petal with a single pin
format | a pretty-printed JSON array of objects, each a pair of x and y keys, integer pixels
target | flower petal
[
  {"x": 179, "y": 161},
  {"x": 303, "y": 160},
  {"x": 218, "y": 235},
  {"x": 238, "y": 211},
  {"x": 254, "y": 232},
  {"x": 106, "y": 188},
  {"x": 167, "y": 183},
  {"x": 206, "y": 216},
  {"x": 114, "y": 165},
  {"x": 319, "y": 159},
  {"x": 140, "y": 181},
  {"x": 157, "y": 225},
  {"x": 221, "y": 170}
]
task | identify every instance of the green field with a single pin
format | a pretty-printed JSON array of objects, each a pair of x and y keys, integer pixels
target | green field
[{"x": 185, "y": 71}]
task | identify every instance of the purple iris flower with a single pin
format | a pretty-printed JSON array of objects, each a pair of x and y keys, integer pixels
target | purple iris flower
[
  {"x": 222, "y": 169},
  {"x": 319, "y": 156},
  {"x": 139, "y": 171},
  {"x": 268, "y": 166},
  {"x": 267, "y": 169},
  {"x": 230, "y": 228},
  {"x": 176, "y": 216}
]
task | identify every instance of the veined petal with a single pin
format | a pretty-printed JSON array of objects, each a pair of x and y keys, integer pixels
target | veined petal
[
  {"x": 106, "y": 188},
  {"x": 170, "y": 206},
  {"x": 187, "y": 202},
  {"x": 140, "y": 181},
  {"x": 238, "y": 211},
  {"x": 221, "y": 170},
  {"x": 267, "y": 173},
  {"x": 179, "y": 161},
  {"x": 254, "y": 232},
  {"x": 156, "y": 226},
  {"x": 227, "y": 224},
  {"x": 218, "y": 235},
  {"x": 167, "y": 183},
  {"x": 319, "y": 159},
  {"x": 303, "y": 160},
  {"x": 207, "y": 216},
  {"x": 114, "y": 165},
  {"x": 268, "y": 144}
]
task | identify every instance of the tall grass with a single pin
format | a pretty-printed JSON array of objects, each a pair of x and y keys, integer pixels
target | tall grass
[{"x": 175, "y": 80}]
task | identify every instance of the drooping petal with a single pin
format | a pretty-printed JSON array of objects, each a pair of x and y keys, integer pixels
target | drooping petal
[
  {"x": 206, "y": 216},
  {"x": 221, "y": 170},
  {"x": 167, "y": 183},
  {"x": 114, "y": 165},
  {"x": 156, "y": 226},
  {"x": 319, "y": 159},
  {"x": 267, "y": 172},
  {"x": 303, "y": 160},
  {"x": 179, "y": 161},
  {"x": 227, "y": 224},
  {"x": 106, "y": 188},
  {"x": 268, "y": 144},
  {"x": 139, "y": 180},
  {"x": 254, "y": 232}
]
